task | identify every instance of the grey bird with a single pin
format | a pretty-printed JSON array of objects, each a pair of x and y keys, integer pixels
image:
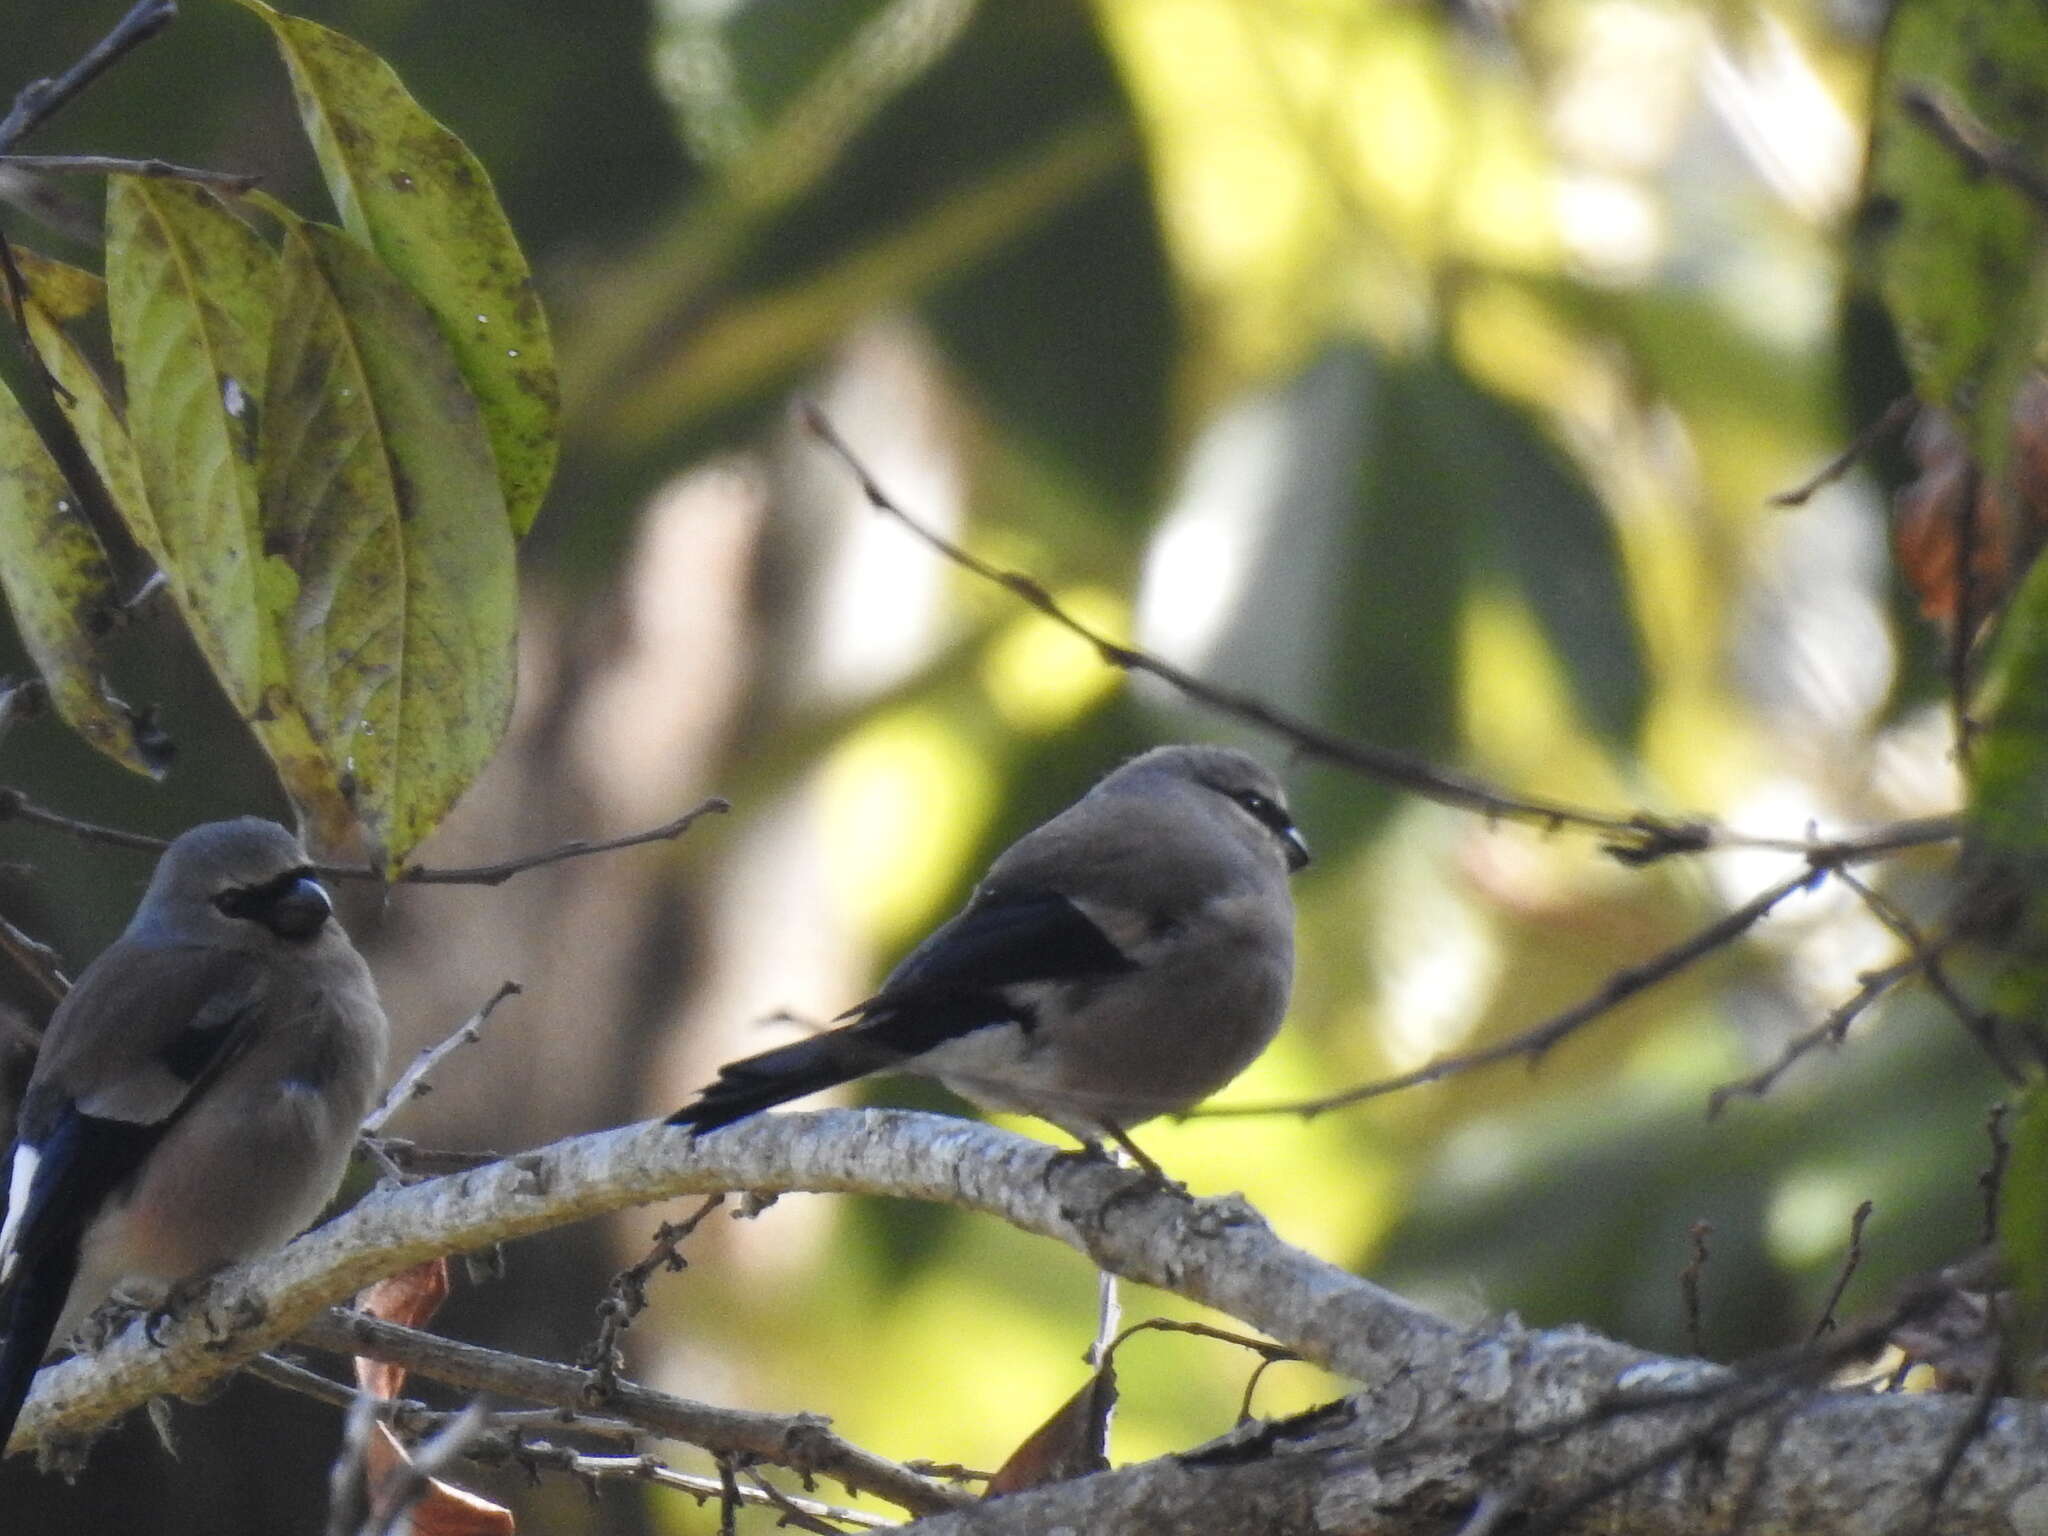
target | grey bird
[
  {"x": 195, "y": 1096},
  {"x": 1124, "y": 960}
]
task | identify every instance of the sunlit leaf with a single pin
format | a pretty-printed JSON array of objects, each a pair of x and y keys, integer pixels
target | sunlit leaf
[
  {"x": 414, "y": 193},
  {"x": 1534, "y": 520},
  {"x": 1959, "y": 252},
  {"x": 58, "y": 588},
  {"x": 190, "y": 290},
  {"x": 388, "y": 559}
]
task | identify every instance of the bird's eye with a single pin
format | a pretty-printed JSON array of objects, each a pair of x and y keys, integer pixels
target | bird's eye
[
  {"x": 292, "y": 906},
  {"x": 237, "y": 901},
  {"x": 1261, "y": 808}
]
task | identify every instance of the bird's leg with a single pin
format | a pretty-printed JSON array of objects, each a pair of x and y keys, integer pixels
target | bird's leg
[
  {"x": 106, "y": 1320},
  {"x": 1137, "y": 1154},
  {"x": 234, "y": 1312},
  {"x": 1109, "y": 1315}
]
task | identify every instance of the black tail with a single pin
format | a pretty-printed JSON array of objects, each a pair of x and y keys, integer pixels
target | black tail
[
  {"x": 787, "y": 1072},
  {"x": 37, "y": 1303}
]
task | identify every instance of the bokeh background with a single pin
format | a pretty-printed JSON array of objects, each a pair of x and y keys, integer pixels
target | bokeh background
[{"x": 1423, "y": 368}]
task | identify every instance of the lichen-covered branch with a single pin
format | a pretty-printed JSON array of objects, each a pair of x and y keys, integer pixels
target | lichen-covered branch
[{"x": 1448, "y": 1416}]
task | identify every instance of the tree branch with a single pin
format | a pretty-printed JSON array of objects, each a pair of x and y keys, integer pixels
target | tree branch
[{"x": 1451, "y": 1413}]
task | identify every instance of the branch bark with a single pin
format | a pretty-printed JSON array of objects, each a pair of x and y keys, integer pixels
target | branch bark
[{"x": 1449, "y": 1416}]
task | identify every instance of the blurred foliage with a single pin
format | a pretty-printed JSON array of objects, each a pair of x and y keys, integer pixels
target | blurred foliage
[{"x": 1423, "y": 368}]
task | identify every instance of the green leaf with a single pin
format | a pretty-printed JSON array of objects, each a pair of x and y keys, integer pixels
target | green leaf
[
  {"x": 58, "y": 586},
  {"x": 388, "y": 557},
  {"x": 68, "y": 294},
  {"x": 412, "y": 191},
  {"x": 1535, "y": 520},
  {"x": 190, "y": 291},
  {"x": 2008, "y": 804},
  {"x": 1958, "y": 252}
]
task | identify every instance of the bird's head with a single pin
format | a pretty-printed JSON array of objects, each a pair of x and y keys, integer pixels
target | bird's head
[
  {"x": 1245, "y": 782},
  {"x": 246, "y": 883}
]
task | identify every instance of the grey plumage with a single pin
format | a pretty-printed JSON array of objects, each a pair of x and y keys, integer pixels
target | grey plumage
[
  {"x": 1124, "y": 960},
  {"x": 195, "y": 1096}
]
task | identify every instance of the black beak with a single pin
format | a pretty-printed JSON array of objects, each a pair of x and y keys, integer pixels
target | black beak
[
  {"x": 1297, "y": 849},
  {"x": 300, "y": 910}
]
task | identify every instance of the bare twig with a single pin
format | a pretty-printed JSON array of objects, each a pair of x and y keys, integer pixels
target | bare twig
[
  {"x": 113, "y": 165},
  {"x": 39, "y": 100},
  {"x": 16, "y": 806},
  {"x": 1894, "y": 416},
  {"x": 799, "y": 1442},
  {"x": 1980, "y": 1025},
  {"x": 1636, "y": 838},
  {"x": 412, "y": 1082},
  {"x": 578, "y": 848},
  {"x": 1992, "y": 1180},
  {"x": 1850, "y": 1262},
  {"x": 1831, "y": 1030},
  {"x": 1689, "y": 1285},
  {"x": 650, "y": 1469},
  {"x": 37, "y": 961},
  {"x": 1441, "y": 785},
  {"x": 626, "y": 1298},
  {"x": 1533, "y": 1043}
]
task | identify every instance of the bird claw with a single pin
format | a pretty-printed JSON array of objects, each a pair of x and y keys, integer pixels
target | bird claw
[{"x": 222, "y": 1317}]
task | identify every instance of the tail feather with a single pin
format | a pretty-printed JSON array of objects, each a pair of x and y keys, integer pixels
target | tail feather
[
  {"x": 775, "y": 1077},
  {"x": 37, "y": 1303}
]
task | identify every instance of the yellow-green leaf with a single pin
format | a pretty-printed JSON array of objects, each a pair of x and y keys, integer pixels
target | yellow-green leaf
[
  {"x": 388, "y": 557},
  {"x": 1958, "y": 252},
  {"x": 66, "y": 293},
  {"x": 190, "y": 295},
  {"x": 58, "y": 588},
  {"x": 413, "y": 192}
]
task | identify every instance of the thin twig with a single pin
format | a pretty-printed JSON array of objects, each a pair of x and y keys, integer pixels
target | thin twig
[
  {"x": 1441, "y": 785},
  {"x": 1689, "y": 1285},
  {"x": 412, "y": 1082},
  {"x": 1533, "y": 1043},
  {"x": 1979, "y": 1025},
  {"x": 39, "y": 100},
  {"x": 626, "y": 1297},
  {"x": 410, "y": 1416},
  {"x": 1894, "y": 416},
  {"x": 1992, "y": 1180},
  {"x": 1640, "y": 837},
  {"x": 649, "y": 1469},
  {"x": 799, "y": 1442},
  {"x": 1831, "y": 1031},
  {"x": 1851, "y": 1261},
  {"x": 577, "y": 848},
  {"x": 37, "y": 961},
  {"x": 16, "y": 806},
  {"x": 114, "y": 165}
]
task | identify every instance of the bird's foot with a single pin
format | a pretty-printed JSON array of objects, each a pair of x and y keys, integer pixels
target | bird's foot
[
  {"x": 222, "y": 1315},
  {"x": 1154, "y": 1181},
  {"x": 108, "y": 1320}
]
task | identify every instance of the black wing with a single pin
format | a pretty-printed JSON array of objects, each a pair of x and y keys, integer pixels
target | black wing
[{"x": 960, "y": 979}]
